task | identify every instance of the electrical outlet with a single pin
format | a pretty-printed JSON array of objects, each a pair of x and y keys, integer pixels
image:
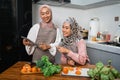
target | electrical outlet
[{"x": 118, "y": 25}]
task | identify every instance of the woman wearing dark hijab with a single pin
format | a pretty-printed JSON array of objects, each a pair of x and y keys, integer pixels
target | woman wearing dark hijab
[
  {"x": 45, "y": 34},
  {"x": 73, "y": 47}
]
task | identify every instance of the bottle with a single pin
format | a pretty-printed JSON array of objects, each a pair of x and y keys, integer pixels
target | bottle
[
  {"x": 98, "y": 36},
  {"x": 108, "y": 37}
]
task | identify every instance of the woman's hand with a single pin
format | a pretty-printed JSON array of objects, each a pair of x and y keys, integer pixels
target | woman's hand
[
  {"x": 44, "y": 46},
  {"x": 26, "y": 42},
  {"x": 63, "y": 50},
  {"x": 71, "y": 62}
]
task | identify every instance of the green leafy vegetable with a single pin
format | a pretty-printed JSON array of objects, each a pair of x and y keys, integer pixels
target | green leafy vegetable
[
  {"x": 47, "y": 67},
  {"x": 101, "y": 72}
]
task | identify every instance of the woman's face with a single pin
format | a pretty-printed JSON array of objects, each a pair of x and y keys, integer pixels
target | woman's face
[
  {"x": 46, "y": 14},
  {"x": 66, "y": 29}
]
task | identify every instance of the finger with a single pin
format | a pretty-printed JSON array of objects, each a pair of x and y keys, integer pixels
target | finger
[
  {"x": 72, "y": 62},
  {"x": 58, "y": 47},
  {"x": 40, "y": 46},
  {"x": 24, "y": 40},
  {"x": 41, "y": 43}
]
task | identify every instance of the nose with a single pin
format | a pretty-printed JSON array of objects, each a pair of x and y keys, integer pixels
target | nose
[{"x": 45, "y": 16}]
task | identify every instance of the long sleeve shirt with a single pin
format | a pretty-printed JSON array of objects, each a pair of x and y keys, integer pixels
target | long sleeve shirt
[
  {"x": 81, "y": 57},
  {"x": 32, "y": 35}
]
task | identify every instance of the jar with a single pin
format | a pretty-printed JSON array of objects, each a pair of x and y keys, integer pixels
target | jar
[{"x": 108, "y": 37}]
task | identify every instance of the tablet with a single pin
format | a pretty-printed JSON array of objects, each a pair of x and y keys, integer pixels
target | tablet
[{"x": 29, "y": 40}]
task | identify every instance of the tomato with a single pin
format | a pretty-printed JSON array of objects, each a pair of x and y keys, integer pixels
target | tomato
[
  {"x": 65, "y": 70},
  {"x": 71, "y": 68},
  {"x": 27, "y": 67},
  {"x": 78, "y": 68},
  {"x": 23, "y": 70},
  {"x": 34, "y": 69},
  {"x": 77, "y": 72}
]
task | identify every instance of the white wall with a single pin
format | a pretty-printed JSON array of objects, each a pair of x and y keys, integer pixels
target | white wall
[
  {"x": 60, "y": 14},
  {"x": 105, "y": 14}
]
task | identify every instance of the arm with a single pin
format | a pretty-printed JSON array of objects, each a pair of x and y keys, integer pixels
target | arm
[
  {"x": 63, "y": 59},
  {"x": 32, "y": 35},
  {"x": 80, "y": 57},
  {"x": 52, "y": 50}
]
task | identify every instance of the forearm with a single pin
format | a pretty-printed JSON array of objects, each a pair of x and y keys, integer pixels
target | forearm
[
  {"x": 74, "y": 56},
  {"x": 63, "y": 59},
  {"x": 78, "y": 58},
  {"x": 81, "y": 56},
  {"x": 52, "y": 50}
]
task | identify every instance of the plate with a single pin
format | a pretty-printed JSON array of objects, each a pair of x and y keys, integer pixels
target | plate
[
  {"x": 29, "y": 69},
  {"x": 31, "y": 72},
  {"x": 83, "y": 72}
]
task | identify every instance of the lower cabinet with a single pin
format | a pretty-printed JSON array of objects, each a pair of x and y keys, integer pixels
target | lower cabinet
[{"x": 96, "y": 55}]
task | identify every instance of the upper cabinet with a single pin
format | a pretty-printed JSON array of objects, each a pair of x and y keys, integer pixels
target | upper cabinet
[{"x": 79, "y": 4}]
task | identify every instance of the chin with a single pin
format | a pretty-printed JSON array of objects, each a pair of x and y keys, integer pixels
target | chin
[{"x": 65, "y": 36}]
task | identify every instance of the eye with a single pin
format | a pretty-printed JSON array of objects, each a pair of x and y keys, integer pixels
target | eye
[
  {"x": 67, "y": 28},
  {"x": 42, "y": 14},
  {"x": 47, "y": 12}
]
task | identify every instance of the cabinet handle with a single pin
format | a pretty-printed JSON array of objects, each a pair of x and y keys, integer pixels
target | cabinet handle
[{"x": 9, "y": 47}]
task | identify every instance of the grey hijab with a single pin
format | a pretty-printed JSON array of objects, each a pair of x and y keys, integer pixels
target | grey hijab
[
  {"x": 76, "y": 34},
  {"x": 50, "y": 23}
]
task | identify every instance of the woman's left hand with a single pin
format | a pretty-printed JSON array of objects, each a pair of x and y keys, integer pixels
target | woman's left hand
[
  {"x": 63, "y": 50},
  {"x": 71, "y": 62}
]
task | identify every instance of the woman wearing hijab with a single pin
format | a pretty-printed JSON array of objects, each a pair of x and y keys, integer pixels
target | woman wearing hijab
[
  {"x": 45, "y": 35},
  {"x": 73, "y": 47}
]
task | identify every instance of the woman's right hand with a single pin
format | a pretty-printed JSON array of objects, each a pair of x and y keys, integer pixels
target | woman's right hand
[
  {"x": 63, "y": 50},
  {"x": 26, "y": 42},
  {"x": 44, "y": 46}
]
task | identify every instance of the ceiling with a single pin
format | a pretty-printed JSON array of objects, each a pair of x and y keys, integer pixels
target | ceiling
[{"x": 88, "y": 4}]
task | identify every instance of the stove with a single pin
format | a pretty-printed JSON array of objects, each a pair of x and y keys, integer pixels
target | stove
[{"x": 111, "y": 43}]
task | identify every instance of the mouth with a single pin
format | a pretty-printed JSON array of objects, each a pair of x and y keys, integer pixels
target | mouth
[{"x": 65, "y": 34}]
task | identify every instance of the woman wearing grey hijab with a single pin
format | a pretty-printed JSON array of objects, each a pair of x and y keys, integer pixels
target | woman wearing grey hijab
[
  {"x": 73, "y": 47},
  {"x": 45, "y": 35}
]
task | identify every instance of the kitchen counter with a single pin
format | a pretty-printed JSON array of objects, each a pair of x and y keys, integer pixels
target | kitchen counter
[
  {"x": 13, "y": 73},
  {"x": 103, "y": 47},
  {"x": 102, "y": 52}
]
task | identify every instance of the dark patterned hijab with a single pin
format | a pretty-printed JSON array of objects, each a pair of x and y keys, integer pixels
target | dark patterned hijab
[{"x": 75, "y": 35}]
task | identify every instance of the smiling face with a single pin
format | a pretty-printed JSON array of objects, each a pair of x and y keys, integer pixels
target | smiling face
[
  {"x": 66, "y": 29},
  {"x": 46, "y": 14}
]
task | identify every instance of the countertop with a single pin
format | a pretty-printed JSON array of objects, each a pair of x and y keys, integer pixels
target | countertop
[
  {"x": 13, "y": 73},
  {"x": 108, "y": 48}
]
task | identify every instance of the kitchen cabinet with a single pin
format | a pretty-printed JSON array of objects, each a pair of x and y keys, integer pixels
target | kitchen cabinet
[
  {"x": 61, "y": 4},
  {"x": 67, "y": 3},
  {"x": 100, "y": 52},
  {"x": 15, "y": 20}
]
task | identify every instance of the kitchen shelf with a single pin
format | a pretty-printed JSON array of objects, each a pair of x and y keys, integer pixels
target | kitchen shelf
[{"x": 52, "y": 3}]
